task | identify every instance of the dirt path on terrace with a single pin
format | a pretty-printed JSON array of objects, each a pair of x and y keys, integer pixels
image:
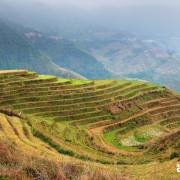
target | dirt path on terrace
[{"x": 98, "y": 131}]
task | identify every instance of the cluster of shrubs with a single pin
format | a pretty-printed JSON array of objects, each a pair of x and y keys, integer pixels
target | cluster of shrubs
[
  {"x": 17, "y": 166},
  {"x": 52, "y": 143},
  {"x": 174, "y": 154}
]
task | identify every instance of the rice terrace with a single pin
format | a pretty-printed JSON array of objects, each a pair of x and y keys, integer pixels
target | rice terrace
[{"x": 60, "y": 128}]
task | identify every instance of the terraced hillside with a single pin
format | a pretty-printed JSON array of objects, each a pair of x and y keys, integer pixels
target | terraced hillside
[{"x": 104, "y": 121}]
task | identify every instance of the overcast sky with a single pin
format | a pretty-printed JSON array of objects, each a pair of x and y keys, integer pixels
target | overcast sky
[
  {"x": 143, "y": 17},
  {"x": 96, "y": 3},
  {"x": 102, "y": 3}
]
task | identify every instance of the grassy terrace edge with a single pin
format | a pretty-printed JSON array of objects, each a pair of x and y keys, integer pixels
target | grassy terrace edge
[{"x": 110, "y": 122}]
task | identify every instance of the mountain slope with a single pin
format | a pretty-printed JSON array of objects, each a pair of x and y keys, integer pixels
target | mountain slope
[
  {"x": 17, "y": 52},
  {"x": 25, "y": 157},
  {"x": 49, "y": 123},
  {"x": 65, "y": 54},
  {"x": 23, "y": 47}
]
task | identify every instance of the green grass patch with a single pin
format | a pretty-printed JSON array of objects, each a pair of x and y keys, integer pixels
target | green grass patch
[
  {"x": 110, "y": 137},
  {"x": 49, "y": 141}
]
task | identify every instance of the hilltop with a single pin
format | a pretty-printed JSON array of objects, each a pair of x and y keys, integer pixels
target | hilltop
[{"x": 59, "y": 128}]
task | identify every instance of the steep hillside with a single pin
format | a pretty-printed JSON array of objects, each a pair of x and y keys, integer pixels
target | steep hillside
[
  {"x": 65, "y": 54},
  {"x": 45, "y": 53},
  {"x": 130, "y": 125},
  {"x": 24, "y": 157},
  {"x": 17, "y": 52}
]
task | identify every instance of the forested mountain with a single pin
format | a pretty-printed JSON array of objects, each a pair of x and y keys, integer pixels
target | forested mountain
[
  {"x": 17, "y": 52},
  {"x": 22, "y": 47},
  {"x": 67, "y": 55}
]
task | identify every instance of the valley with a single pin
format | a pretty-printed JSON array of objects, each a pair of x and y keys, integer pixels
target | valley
[
  {"x": 128, "y": 56},
  {"x": 22, "y": 47}
]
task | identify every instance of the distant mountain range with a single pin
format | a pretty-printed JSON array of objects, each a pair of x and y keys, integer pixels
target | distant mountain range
[
  {"x": 128, "y": 56},
  {"x": 96, "y": 55},
  {"x": 22, "y": 47},
  {"x": 173, "y": 43}
]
